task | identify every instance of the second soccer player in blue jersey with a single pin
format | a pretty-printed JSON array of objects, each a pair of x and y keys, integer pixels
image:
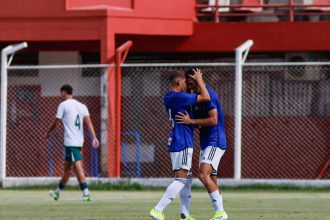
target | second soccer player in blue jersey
[
  {"x": 209, "y": 118},
  {"x": 181, "y": 141}
]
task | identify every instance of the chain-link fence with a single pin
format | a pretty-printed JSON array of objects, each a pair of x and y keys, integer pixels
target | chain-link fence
[
  {"x": 33, "y": 98},
  {"x": 285, "y": 119},
  {"x": 145, "y": 123},
  {"x": 286, "y": 115}
]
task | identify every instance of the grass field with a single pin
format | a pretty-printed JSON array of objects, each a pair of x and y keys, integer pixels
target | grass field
[{"x": 30, "y": 204}]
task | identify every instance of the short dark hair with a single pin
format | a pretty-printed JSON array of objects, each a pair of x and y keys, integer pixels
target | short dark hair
[
  {"x": 176, "y": 74},
  {"x": 67, "y": 88},
  {"x": 190, "y": 72}
]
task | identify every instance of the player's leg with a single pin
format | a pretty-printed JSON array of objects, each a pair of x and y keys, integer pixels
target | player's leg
[
  {"x": 78, "y": 166},
  {"x": 220, "y": 214},
  {"x": 66, "y": 176},
  {"x": 185, "y": 199},
  {"x": 181, "y": 164},
  {"x": 73, "y": 154},
  {"x": 209, "y": 162},
  {"x": 209, "y": 181},
  {"x": 185, "y": 193},
  {"x": 171, "y": 192},
  {"x": 214, "y": 179},
  {"x": 204, "y": 174}
]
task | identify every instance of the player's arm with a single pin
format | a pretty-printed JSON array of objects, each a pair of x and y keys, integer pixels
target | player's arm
[
  {"x": 211, "y": 120},
  {"x": 88, "y": 121},
  {"x": 53, "y": 126},
  {"x": 204, "y": 96}
]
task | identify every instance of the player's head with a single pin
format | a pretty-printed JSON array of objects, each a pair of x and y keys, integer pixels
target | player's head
[
  {"x": 178, "y": 80},
  {"x": 66, "y": 90},
  {"x": 192, "y": 85}
]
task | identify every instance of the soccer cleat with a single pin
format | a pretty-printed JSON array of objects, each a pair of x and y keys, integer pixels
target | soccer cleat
[
  {"x": 220, "y": 216},
  {"x": 86, "y": 198},
  {"x": 54, "y": 195},
  {"x": 188, "y": 218},
  {"x": 156, "y": 215}
]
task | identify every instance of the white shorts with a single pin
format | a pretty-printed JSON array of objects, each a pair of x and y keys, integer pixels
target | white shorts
[
  {"x": 211, "y": 155},
  {"x": 182, "y": 159}
]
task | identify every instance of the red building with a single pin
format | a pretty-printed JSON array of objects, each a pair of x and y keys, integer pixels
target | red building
[{"x": 161, "y": 28}]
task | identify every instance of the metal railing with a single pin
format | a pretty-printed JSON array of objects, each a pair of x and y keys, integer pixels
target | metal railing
[{"x": 282, "y": 12}]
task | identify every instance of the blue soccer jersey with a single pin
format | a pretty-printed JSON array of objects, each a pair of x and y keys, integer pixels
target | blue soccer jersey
[
  {"x": 182, "y": 136},
  {"x": 211, "y": 135}
]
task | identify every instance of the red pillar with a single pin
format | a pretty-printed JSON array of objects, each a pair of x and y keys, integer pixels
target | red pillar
[
  {"x": 108, "y": 57},
  {"x": 120, "y": 56}
]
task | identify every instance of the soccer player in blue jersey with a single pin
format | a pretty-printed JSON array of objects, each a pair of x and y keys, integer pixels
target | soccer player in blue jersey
[
  {"x": 181, "y": 140},
  {"x": 209, "y": 118}
]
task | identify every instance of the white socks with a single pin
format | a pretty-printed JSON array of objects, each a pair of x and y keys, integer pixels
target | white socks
[
  {"x": 172, "y": 190},
  {"x": 85, "y": 192},
  {"x": 217, "y": 201},
  {"x": 57, "y": 190},
  {"x": 185, "y": 198}
]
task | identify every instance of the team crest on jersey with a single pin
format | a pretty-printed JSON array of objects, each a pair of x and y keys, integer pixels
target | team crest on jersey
[{"x": 169, "y": 141}]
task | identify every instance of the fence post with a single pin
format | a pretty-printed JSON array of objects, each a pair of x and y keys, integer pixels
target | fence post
[
  {"x": 121, "y": 54},
  {"x": 9, "y": 50},
  {"x": 216, "y": 12},
  {"x": 291, "y": 10},
  {"x": 241, "y": 54}
]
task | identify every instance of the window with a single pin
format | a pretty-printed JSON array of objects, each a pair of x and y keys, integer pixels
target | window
[
  {"x": 90, "y": 58},
  {"x": 29, "y": 58}
]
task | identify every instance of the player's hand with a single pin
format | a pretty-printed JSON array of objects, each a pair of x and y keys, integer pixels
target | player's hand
[
  {"x": 183, "y": 118},
  {"x": 198, "y": 75},
  {"x": 96, "y": 143}
]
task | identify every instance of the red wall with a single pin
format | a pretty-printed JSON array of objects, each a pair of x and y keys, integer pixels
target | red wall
[
  {"x": 28, "y": 150},
  {"x": 46, "y": 21},
  {"x": 31, "y": 8},
  {"x": 279, "y": 147},
  {"x": 226, "y": 36},
  {"x": 134, "y": 19},
  {"x": 100, "y": 3},
  {"x": 285, "y": 147}
]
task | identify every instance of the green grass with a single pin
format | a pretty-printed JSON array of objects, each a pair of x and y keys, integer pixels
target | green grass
[
  {"x": 127, "y": 185},
  {"x": 36, "y": 204}
]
